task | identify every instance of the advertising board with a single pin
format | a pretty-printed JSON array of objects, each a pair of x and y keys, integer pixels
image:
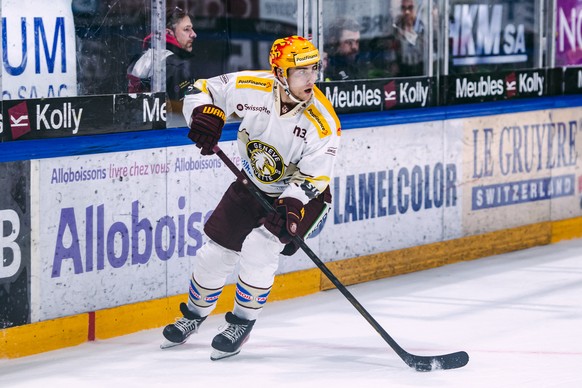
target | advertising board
[
  {"x": 520, "y": 169},
  {"x": 38, "y": 50},
  {"x": 394, "y": 187},
  {"x": 568, "y": 33},
  {"x": 499, "y": 86},
  {"x": 86, "y": 115},
  {"x": 381, "y": 94},
  {"x": 491, "y": 35},
  {"x": 123, "y": 227},
  {"x": 15, "y": 243}
]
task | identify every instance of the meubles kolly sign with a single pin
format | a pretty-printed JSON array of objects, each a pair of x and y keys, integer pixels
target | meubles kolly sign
[{"x": 76, "y": 116}]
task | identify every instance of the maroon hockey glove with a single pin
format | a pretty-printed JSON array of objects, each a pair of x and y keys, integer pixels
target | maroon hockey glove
[
  {"x": 206, "y": 127},
  {"x": 315, "y": 211},
  {"x": 284, "y": 221}
]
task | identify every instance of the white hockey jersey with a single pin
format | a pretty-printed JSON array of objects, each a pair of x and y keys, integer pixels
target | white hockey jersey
[{"x": 286, "y": 155}]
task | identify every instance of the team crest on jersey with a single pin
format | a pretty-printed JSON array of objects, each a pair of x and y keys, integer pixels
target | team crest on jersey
[{"x": 266, "y": 162}]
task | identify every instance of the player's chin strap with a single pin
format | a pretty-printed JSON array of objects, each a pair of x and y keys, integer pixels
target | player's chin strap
[{"x": 285, "y": 87}]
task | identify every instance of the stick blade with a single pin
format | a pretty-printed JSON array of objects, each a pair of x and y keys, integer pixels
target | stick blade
[{"x": 431, "y": 363}]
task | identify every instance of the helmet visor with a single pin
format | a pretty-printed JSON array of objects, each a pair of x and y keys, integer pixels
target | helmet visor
[{"x": 305, "y": 73}]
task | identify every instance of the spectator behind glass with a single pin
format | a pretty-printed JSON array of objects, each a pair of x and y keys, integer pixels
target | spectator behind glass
[
  {"x": 343, "y": 51},
  {"x": 408, "y": 42},
  {"x": 178, "y": 56}
]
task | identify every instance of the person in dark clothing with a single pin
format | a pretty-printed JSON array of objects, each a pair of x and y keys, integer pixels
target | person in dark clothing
[
  {"x": 342, "y": 47},
  {"x": 178, "y": 57},
  {"x": 409, "y": 41}
]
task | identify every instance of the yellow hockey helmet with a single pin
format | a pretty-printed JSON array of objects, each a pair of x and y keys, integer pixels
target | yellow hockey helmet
[{"x": 292, "y": 51}]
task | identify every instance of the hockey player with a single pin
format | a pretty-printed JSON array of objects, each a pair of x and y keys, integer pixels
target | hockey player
[{"x": 288, "y": 140}]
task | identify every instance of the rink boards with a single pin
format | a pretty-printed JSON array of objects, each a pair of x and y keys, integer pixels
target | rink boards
[{"x": 100, "y": 245}]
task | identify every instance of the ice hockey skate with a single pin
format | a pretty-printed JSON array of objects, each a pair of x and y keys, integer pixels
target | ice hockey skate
[
  {"x": 178, "y": 332},
  {"x": 230, "y": 341}
]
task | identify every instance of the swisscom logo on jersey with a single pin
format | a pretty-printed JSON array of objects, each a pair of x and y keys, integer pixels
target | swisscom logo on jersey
[{"x": 254, "y": 108}]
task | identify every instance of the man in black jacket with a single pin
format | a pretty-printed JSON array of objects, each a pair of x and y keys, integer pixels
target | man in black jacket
[
  {"x": 178, "y": 57},
  {"x": 343, "y": 51}
]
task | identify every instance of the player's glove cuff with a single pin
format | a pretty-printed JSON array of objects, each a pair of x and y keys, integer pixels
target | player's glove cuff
[{"x": 206, "y": 127}]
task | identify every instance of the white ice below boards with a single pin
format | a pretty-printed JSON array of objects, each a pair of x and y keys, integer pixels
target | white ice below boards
[{"x": 518, "y": 316}]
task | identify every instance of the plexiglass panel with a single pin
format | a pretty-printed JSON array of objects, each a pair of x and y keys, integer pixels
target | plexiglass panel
[{"x": 384, "y": 38}]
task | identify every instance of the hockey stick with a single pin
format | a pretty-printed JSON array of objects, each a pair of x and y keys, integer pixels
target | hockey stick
[{"x": 420, "y": 363}]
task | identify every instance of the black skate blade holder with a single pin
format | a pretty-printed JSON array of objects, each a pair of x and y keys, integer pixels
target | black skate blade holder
[{"x": 420, "y": 363}]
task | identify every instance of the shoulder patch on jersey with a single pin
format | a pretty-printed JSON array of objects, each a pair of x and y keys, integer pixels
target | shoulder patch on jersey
[
  {"x": 317, "y": 119},
  {"x": 199, "y": 86},
  {"x": 256, "y": 83},
  {"x": 319, "y": 96}
]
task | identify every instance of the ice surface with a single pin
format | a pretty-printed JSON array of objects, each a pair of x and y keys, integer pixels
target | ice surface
[{"x": 518, "y": 315}]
